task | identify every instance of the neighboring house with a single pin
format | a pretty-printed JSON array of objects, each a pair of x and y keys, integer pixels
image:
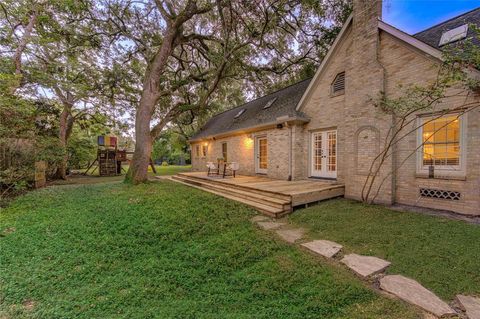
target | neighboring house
[{"x": 327, "y": 127}]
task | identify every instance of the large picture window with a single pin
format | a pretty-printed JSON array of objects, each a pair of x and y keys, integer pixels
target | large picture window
[{"x": 441, "y": 141}]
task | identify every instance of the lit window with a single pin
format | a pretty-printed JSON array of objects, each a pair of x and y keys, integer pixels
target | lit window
[
  {"x": 197, "y": 150},
  {"x": 338, "y": 85},
  {"x": 224, "y": 152},
  {"x": 441, "y": 141},
  {"x": 204, "y": 150}
]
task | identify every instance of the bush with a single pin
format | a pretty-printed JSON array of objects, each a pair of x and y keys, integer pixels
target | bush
[{"x": 164, "y": 163}]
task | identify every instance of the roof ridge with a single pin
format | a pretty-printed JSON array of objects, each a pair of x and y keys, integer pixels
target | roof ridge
[
  {"x": 258, "y": 98},
  {"x": 448, "y": 20}
]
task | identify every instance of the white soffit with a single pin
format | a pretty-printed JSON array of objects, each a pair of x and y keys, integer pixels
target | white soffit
[{"x": 453, "y": 35}]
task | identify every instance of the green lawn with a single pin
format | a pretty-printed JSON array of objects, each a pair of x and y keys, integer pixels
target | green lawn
[
  {"x": 163, "y": 250},
  {"x": 94, "y": 178},
  {"x": 442, "y": 254}
]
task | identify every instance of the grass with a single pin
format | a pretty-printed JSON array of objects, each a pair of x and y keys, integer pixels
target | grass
[
  {"x": 94, "y": 178},
  {"x": 163, "y": 250},
  {"x": 442, "y": 254}
]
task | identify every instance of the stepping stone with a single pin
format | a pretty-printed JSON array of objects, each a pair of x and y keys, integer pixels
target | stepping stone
[
  {"x": 325, "y": 248},
  {"x": 365, "y": 265},
  {"x": 291, "y": 235},
  {"x": 270, "y": 225},
  {"x": 471, "y": 305},
  {"x": 412, "y": 292},
  {"x": 259, "y": 218}
]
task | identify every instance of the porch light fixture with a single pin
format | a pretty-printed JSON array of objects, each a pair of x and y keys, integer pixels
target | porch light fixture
[{"x": 248, "y": 142}]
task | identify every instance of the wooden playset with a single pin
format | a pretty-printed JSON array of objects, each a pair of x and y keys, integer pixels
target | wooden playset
[{"x": 110, "y": 158}]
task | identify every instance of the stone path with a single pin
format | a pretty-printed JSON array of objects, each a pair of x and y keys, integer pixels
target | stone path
[
  {"x": 471, "y": 305},
  {"x": 325, "y": 248},
  {"x": 411, "y": 291},
  {"x": 291, "y": 235},
  {"x": 365, "y": 266},
  {"x": 259, "y": 218},
  {"x": 268, "y": 225},
  {"x": 402, "y": 287}
]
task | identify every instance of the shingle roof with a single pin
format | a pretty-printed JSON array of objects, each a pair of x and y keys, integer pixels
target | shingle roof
[
  {"x": 432, "y": 35},
  {"x": 286, "y": 100}
]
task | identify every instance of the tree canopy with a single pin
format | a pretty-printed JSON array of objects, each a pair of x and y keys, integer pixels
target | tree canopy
[{"x": 155, "y": 64}]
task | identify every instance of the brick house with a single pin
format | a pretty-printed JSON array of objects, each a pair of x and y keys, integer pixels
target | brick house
[{"x": 327, "y": 127}]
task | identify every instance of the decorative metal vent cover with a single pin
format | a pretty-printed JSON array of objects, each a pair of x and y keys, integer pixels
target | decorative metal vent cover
[
  {"x": 438, "y": 193},
  {"x": 338, "y": 84}
]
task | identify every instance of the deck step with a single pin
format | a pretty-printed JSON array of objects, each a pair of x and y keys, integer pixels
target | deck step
[
  {"x": 244, "y": 187},
  {"x": 252, "y": 195},
  {"x": 262, "y": 207}
]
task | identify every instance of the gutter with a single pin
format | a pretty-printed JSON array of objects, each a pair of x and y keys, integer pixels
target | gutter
[
  {"x": 290, "y": 154},
  {"x": 255, "y": 128}
]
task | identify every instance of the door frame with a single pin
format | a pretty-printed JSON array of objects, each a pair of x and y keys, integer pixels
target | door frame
[
  {"x": 256, "y": 155},
  {"x": 323, "y": 173}
]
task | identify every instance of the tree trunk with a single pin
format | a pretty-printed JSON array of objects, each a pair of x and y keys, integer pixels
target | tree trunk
[
  {"x": 138, "y": 170},
  {"x": 65, "y": 130},
  {"x": 17, "y": 57}
]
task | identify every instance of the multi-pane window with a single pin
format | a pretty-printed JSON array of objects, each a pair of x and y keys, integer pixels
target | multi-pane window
[
  {"x": 197, "y": 150},
  {"x": 204, "y": 150},
  {"x": 332, "y": 151},
  {"x": 441, "y": 141},
  {"x": 263, "y": 159},
  {"x": 224, "y": 152},
  {"x": 317, "y": 149}
]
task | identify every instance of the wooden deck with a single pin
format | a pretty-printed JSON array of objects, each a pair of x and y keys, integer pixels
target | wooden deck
[{"x": 270, "y": 196}]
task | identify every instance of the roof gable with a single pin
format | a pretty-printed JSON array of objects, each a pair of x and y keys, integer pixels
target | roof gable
[
  {"x": 325, "y": 61},
  {"x": 255, "y": 113}
]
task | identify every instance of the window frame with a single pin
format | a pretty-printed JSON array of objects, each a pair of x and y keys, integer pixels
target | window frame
[
  {"x": 447, "y": 170},
  {"x": 204, "y": 150},
  {"x": 225, "y": 152},
  {"x": 197, "y": 150}
]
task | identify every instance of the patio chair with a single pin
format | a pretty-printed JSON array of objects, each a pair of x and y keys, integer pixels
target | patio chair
[
  {"x": 230, "y": 169},
  {"x": 212, "y": 169}
]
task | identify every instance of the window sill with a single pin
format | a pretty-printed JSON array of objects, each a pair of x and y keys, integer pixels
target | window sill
[{"x": 447, "y": 176}]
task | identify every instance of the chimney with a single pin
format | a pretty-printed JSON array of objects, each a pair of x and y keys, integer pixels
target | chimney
[
  {"x": 365, "y": 32},
  {"x": 365, "y": 15}
]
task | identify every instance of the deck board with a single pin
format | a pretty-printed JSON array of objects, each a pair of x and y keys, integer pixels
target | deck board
[{"x": 300, "y": 192}]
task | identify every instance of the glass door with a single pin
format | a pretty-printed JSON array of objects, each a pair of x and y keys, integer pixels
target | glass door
[
  {"x": 324, "y": 154},
  {"x": 261, "y": 155}
]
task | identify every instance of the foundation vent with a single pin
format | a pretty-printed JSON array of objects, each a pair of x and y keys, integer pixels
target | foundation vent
[{"x": 440, "y": 194}]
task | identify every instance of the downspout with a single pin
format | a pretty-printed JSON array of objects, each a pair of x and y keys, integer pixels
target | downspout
[
  {"x": 394, "y": 121},
  {"x": 290, "y": 154}
]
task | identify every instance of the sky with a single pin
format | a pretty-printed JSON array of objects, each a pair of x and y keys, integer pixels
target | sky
[{"x": 412, "y": 16}]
